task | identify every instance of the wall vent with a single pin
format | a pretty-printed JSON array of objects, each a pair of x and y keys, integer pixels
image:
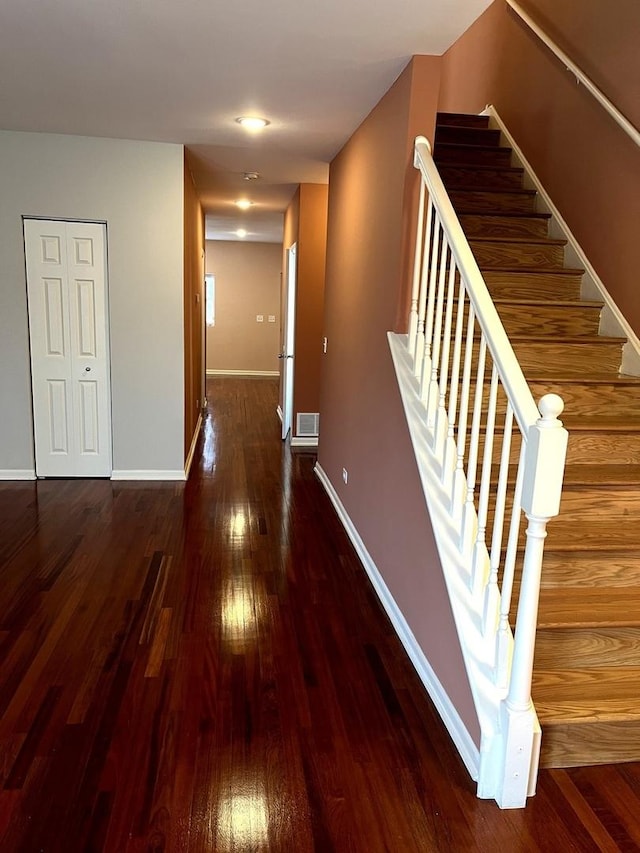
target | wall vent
[{"x": 307, "y": 423}]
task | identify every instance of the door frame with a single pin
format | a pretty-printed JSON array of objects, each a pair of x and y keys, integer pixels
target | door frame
[{"x": 288, "y": 342}]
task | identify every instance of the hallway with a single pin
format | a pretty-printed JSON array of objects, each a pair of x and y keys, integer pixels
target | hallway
[{"x": 205, "y": 667}]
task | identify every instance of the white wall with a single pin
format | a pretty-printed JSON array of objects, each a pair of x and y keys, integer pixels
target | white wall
[{"x": 137, "y": 189}]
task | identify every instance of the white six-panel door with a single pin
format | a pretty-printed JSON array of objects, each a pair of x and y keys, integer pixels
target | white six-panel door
[{"x": 66, "y": 287}]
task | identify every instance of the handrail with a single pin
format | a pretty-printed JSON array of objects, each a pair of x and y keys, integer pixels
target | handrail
[
  {"x": 591, "y": 87},
  {"x": 524, "y": 407}
]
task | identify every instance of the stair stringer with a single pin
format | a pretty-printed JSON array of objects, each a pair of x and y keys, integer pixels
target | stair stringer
[
  {"x": 612, "y": 321},
  {"x": 510, "y": 742}
]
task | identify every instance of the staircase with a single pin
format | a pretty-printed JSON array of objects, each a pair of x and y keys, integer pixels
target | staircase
[{"x": 586, "y": 684}]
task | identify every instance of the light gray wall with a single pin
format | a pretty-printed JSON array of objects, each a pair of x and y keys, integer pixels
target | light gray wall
[{"x": 137, "y": 189}]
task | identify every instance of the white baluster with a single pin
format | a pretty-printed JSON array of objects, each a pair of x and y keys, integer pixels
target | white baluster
[
  {"x": 430, "y": 379},
  {"x": 433, "y": 270},
  {"x": 441, "y": 413},
  {"x": 505, "y": 638},
  {"x": 469, "y": 515},
  {"x": 480, "y": 571},
  {"x": 418, "y": 352},
  {"x": 459, "y": 480},
  {"x": 491, "y": 614},
  {"x": 417, "y": 268},
  {"x": 448, "y": 466}
]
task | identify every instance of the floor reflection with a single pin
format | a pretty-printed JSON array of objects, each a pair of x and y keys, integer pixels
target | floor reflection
[
  {"x": 239, "y": 618},
  {"x": 242, "y": 821},
  {"x": 210, "y": 444}
]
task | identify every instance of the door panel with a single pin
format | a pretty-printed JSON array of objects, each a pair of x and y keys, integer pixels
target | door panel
[
  {"x": 58, "y": 419},
  {"x": 66, "y": 278},
  {"x": 54, "y": 316}
]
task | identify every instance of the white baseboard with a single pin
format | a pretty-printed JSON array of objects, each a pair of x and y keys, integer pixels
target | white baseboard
[
  {"x": 463, "y": 741},
  {"x": 304, "y": 441},
  {"x": 279, "y": 412},
  {"x": 212, "y": 372},
  {"x": 148, "y": 474},
  {"x": 17, "y": 474}
]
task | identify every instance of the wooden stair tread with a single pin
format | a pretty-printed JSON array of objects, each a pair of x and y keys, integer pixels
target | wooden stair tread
[
  {"x": 512, "y": 214},
  {"x": 600, "y": 423},
  {"x": 460, "y": 146},
  {"x": 620, "y": 531},
  {"x": 539, "y": 271},
  {"x": 451, "y": 119},
  {"x": 588, "y": 693},
  {"x": 608, "y": 569},
  {"x": 544, "y": 241},
  {"x": 601, "y": 475},
  {"x": 483, "y": 167},
  {"x": 581, "y": 710},
  {"x": 589, "y": 607},
  {"x": 577, "y": 648},
  {"x": 496, "y": 190},
  {"x": 549, "y": 303},
  {"x": 592, "y": 379},
  {"x": 606, "y": 475},
  {"x": 568, "y": 339}
]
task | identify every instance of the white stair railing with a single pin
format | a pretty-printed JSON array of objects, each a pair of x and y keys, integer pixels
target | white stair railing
[{"x": 499, "y": 457}]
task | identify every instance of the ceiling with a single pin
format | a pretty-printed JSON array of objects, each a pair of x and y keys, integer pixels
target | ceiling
[{"x": 181, "y": 72}]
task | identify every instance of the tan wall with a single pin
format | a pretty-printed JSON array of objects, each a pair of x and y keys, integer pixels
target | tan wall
[
  {"x": 312, "y": 245},
  {"x": 363, "y": 427},
  {"x": 587, "y": 164},
  {"x": 247, "y": 284},
  {"x": 193, "y": 308},
  {"x": 306, "y": 225}
]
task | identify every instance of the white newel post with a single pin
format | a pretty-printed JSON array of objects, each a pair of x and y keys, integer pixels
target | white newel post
[{"x": 543, "y": 475}]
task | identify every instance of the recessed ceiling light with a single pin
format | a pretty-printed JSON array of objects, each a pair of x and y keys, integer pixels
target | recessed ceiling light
[
  {"x": 252, "y": 122},
  {"x": 251, "y": 176},
  {"x": 243, "y": 203},
  {"x": 241, "y": 232}
]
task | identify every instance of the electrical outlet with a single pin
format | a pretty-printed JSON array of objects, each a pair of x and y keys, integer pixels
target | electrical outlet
[
  {"x": 259, "y": 318},
  {"x": 324, "y": 345},
  {"x": 345, "y": 476}
]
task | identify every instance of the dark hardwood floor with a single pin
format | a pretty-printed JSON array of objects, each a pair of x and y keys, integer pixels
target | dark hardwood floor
[{"x": 204, "y": 667}]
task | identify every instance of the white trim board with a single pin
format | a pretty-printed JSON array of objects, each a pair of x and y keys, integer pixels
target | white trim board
[
  {"x": 279, "y": 412},
  {"x": 17, "y": 474},
  {"x": 214, "y": 372},
  {"x": 304, "y": 441},
  {"x": 149, "y": 474},
  {"x": 192, "y": 449},
  {"x": 463, "y": 741}
]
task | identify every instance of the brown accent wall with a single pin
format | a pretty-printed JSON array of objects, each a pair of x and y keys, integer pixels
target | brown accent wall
[
  {"x": 363, "y": 427},
  {"x": 306, "y": 225},
  {"x": 247, "y": 284},
  {"x": 193, "y": 308},
  {"x": 589, "y": 167}
]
